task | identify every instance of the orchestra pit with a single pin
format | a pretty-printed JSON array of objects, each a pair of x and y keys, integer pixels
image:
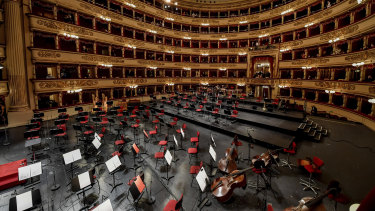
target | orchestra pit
[{"x": 187, "y": 105}]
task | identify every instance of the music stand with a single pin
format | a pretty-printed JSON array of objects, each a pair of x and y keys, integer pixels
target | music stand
[
  {"x": 174, "y": 149},
  {"x": 105, "y": 206},
  {"x": 29, "y": 172},
  {"x": 61, "y": 110},
  {"x": 181, "y": 138},
  {"x": 78, "y": 108},
  {"x": 96, "y": 121},
  {"x": 212, "y": 161},
  {"x": 145, "y": 137},
  {"x": 135, "y": 151},
  {"x": 84, "y": 181},
  {"x": 136, "y": 190},
  {"x": 113, "y": 165},
  {"x": 98, "y": 104},
  {"x": 96, "y": 142},
  {"x": 71, "y": 157},
  {"x": 168, "y": 157},
  {"x": 59, "y": 122},
  {"x": 202, "y": 180},
  {"x": 25, "y": 201}
]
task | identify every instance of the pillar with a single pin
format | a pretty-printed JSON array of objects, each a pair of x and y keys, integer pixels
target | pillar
[
  {"x": 15, "y": 56},
  {"x": 330, "y": 98},
  {"x": 344, "y": 100},
  {"x": 373, "y": 110}
]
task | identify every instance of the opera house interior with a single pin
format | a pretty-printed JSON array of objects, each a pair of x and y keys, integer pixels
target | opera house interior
[{"x": 187, "y": 105}]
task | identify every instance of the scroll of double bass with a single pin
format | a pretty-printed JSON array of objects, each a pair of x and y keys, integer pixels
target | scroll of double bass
[{"x": 228, "y": 163}]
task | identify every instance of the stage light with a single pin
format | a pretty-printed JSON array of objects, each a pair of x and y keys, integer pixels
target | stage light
[
  {"x": 152, "y": 31},
  {"x": 223, "y": 38},
  {"x": 330, "y": 91},
  {"x": 286, "y": 49},
  {"x": 263, "y": 35},
  {"x": 154, "y": 68},
  {"x": 242, "y": 54},
  {"x": 222, "y": 69},
  {"x": 306, "y": 68},
  {"x": 186, "y": 68},
  {"x": 358, "y": 64},
  {"x": 187, "y": 38},
  {"x": 70, "y": 35}
]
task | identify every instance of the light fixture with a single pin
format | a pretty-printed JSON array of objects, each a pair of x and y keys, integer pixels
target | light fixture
[
  {"x": 187, "y": 38},
  {"x": 240, "y": 84},
  {"x": 222, "y": 69},
  {"x": 132, "y": 46},
  {"x": 1, "y": 66},
  {"x": 223, "y": 38},
  {"x": 170, "y": 51},
  {"x": 70, "y": 35},
  {"x": 371, "y": 100},
  {"x": 263, "y": 65},
  {"x": 306, "y": 68},
  {"x": 176, "y": 3},
  {"x": 285, "y": 49},
  {"x": 204, "y": 54},
  {"x": 309, "y": 24},
  {"x": 359, "y": 1},
  {"x": 154, "y": 68},
  {"x": 205, "y": 24},
  {"x": 186, "y": 68},
  {"x": 105, "y": 18},
  {"x": 133, "y": 86},
  {"x": 242, "y": 54},
  {"x": 263, "y": 35},
  {"x": 106, "y": 65},
  {"x": 242, "y": 22},
  {"x": 74, "y": 91},
  {"x": 283, "y": 86},
  {"x": 334, "y": 40},
  {"x": 286, "y": 11},
  {"x": 130, "y": 5},
  {"x": 170, "y": 19},
  {"x": 330, "y": 91},
  {"x": 167, "y": 1},
  {"x": 358, "y": 64},
  {"x": 170, "y": 84},
  {"x": 152, "y": 31},
  {"x": 204, "y": 83}
]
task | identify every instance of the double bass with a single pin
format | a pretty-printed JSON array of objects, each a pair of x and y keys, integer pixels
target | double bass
[
  {"x": 228, "y": 163},
  {"x": 222, "y": 188}
]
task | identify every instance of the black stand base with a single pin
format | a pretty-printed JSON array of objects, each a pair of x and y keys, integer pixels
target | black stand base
[
  {"x": 55, "y": 187},
  {"x": 115, "y": 186},
  {"x": 151, "y": 200}
]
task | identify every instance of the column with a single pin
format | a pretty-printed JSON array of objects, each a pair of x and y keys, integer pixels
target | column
[
  {"x": 330, "y": 98},
  {"x": 344, "y": 100},
  {"x": 15, "y": 56},
  {"x": 80, "y": 97},
  {"x": 290, "y": 92},
  {"x": 359, "y": 104},
  {"x": 316, "y": 96},
  {"x": 347, "y": 74},
  {"x": 79, "y": 71},
  {"x": 303, "y": 93},
  {"x": 373, "y": 110},
  {"x": 60, "y": 98}
]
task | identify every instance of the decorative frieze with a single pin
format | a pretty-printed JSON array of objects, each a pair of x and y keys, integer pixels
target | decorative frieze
[
  {"x": 49, "y": 54},
  {"x": 64, "y": 27},
  {"x": 104, "y": 59},
  {"x": 291, "y": 44},
  {"x": 340, "y": 32},
  {"x": 101, "y": 11},
  {"x": 335, "y": 85},
  {"x": 130, "y": 81},
  {"x": 313, "y": 61},
  {"x": 361, "y": 56},
  {"x": 313, "y": 18},
  {"x": 62, "y": 84}
]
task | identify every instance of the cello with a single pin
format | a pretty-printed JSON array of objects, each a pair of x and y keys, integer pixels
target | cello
[
  {"x": 222, "y": 188},
  {"x": 228, "y": 163},
  {"x": 315, "y": 204}
]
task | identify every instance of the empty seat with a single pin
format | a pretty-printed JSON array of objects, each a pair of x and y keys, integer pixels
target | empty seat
[
  {"x": 319, "y": 129},
  {"x": 314, "y": 126},
  {"x": 307, "y": 130},
  {"x": 324, "y": 132},
  {"x": 302, "y": 126},
  {"x": 317, "y": 136},
  {"x": 312, "y": 133}
]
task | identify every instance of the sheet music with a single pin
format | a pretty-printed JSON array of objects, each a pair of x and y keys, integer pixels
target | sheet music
[
  {"x": 68, "y": 158},
  {"x": 77, "y": 155},
  {"x": 212, "y": 153},
  {"x": 84, "y": 180},
  {"x": 105, "y": 206},
  {"x": 96, "y": 143},
  {"x": 23, "y": 173},
  {"x": 201, "y": 179},
  {"x": 24, "y": 201},
  {"x": 36, "y": 169},
  {"x": 97, "y": 136},
  {"x": 113, "y": 163},
  {"x": 168, "y": 157},
  {"x": 213, "y": 141},
  {"x": 175, "y": 140},
  {"x": 182, "y": 133}
]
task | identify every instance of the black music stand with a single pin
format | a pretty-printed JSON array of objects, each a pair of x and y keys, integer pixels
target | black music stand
[
  {"x": 38, "y": 115},
  {"x": 30, "y": 172},
  {"x": 113, "y": 165},
  {"x": 25, "y": 201},
  {"x": 96, "y": 121},
  {"x": 168, "y": 157},
  {"x": 61, "y": 110},
  {"x": 30, "y": 143},
  {"x": 145, "y": 137},
  {"x": 70, "y": 158},
  {"x": 80, "y": 183},
  {"x": 203, "y": 182},
  {"x": 174, "y": 149},
  {"x": 136, "y": 190},
  {"x": 212, "y": 160},
  {"x": 135, "y": 151}
]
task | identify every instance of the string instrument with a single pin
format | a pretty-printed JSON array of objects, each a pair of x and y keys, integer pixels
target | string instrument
[
  {"x": 314, "y": 204},
  {"x": 267, "y": 157},
  {"x": 228, "y": 163},
  {"x": 222, "y": 188}
]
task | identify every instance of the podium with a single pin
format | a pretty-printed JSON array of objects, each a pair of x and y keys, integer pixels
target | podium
[
  {"x": 25, "y": 201},
  {"x": 105, "y": 206},
  {"x": 168, "y": 157},
  {"x": 113, "y": 165},
  {"x": 29, "y": 172}
]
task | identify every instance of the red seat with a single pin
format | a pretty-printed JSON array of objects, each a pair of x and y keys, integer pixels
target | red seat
[
  {"x": 159, "y": 155},
  {"x": 234, "y": 114},
  {"x": 195, "y": 139},
  {"x": 88, "y": 132},
  {"x": 154, "y": 132},
  {"x": 104, "y": 121},
  {"x": 163, "y": 142},
  {"x": 193, "y": 151},
  {"x": 175, "y": 119},
  {"x": 174, "y": 205},
  {"x": 312, "y": 168},
  {"x": 199, "y": 109},
  {"x": 183, "y": 128},
  {"x": 215, "y": 111}
]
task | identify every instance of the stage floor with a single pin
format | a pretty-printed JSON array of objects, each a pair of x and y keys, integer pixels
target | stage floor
[{"x": 344, "y": 152}]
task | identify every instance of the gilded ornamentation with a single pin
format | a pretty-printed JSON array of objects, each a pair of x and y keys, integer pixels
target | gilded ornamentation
[
  {"x": 243, "y": 18},
  {"x": 291, "y": 44},
  {"x": 312, "y": 61},
  {"x": 340, "y": 32},
  {"x": 163, "y": 80},
  {"x": 170, "y": 48},
  {"x": 186, "y": 64},
  {"x": 361, "y": 56},
  {"x": 209, "y": 21},
  {"x": 130, "y": 81},
  {"x": 101, "y": 11},
  {"x": 209, "y": 51},
  {"x": 49, "y": 54},
  {"x": 335, "y": 85},
  {"x": 186, "y": 34},
  {"x": 313, "y": 18},
  {"x": 150, "y": 27},
  {"x": 371, "y": 89},
  {"x": 61, "y": 84},
  {"x": 64, "y": 27},
  {"x": 104, "y": 59},
  {"x": 259, "y": 81},
  {"x": 128, "y": 41},
  {"x": 150, "y": 62},
  {"x": 264, "y": 31}
]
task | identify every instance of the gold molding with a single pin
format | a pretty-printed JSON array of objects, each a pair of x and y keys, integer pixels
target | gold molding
[
  {"x": 313, "y": 61},
  {"x": 61, "y": 84},
  {"x": 361, "y": 56},
  {"x": 49, "y": 54},
  {"x": 335, "y": 85},
  {"x": 340, "y": 32}
]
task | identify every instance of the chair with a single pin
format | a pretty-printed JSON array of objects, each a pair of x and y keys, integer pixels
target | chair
[
  {"x": 194, "y": 170},
  {"x": 102, "y": 132},
  {"x": 159, "y": 155},
  {"x": 153, "y": 133},
  {"x": 174, "y": 123},
  {"x": 195, "y": 139},
  {"x": 119, "y": 153},
  {"x": 199, "y": 110},
  {"x": 104, "y": 121},
  {"x": 186, "y": 107},
  {"x": 163, "y": 143},
  {"x": 234, "y": 114},
  {"x": 183, "y": 129},
  {"x": 314, "y": 167},
  {"x": 174, "y": 205},
  {"x": 193, "y": 151},
  {"x": 289, "y": 151},
  {"x": 120, "y": 142}
]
